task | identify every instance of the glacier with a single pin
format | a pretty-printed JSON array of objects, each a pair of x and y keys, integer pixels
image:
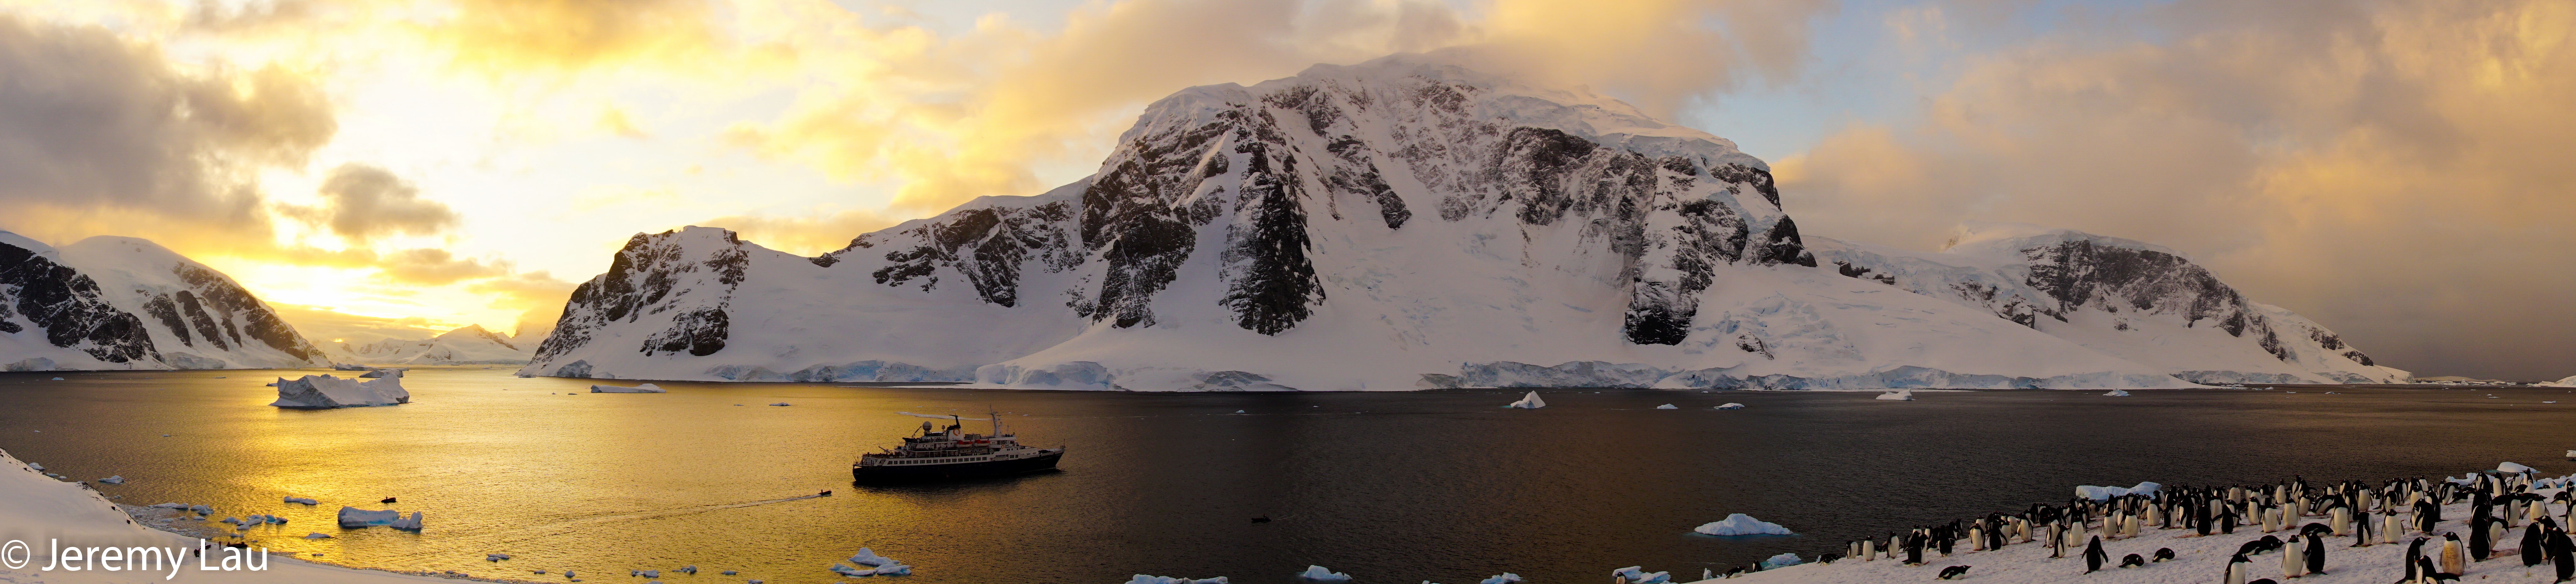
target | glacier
[{"x": 1407, "y": 224}]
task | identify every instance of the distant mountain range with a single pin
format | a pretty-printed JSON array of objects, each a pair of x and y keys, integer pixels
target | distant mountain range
[
  {"x": 470, "y": 345},
  {"x": 1404, "y": 224}
]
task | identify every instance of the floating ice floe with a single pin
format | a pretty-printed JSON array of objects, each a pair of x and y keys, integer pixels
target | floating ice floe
[
  {"x": 1781, "y": 561},
  {"x": 727, "y": 572},
  {"x": 171, "y": 506},
  {"x": 2511, "y": 468},
  {"x": 1668, "y": 407},
  {"x": 779, "y": 404},
  {"x": 1731, "y": 406},
  {"x": 1741, "y": 524},
  {"x": 114, "y": 480},
  {"x": 2118, "y": 393},
  {"x": 2101, "y": 493},
  {"x": 1639, "y": 575},
  {"x": 38, "y": 467},
  {"x": 317, "y": 535},
  {"x": 1503, "y": 578},
  {"x": 495, "y": 557},
  {"x": 200, "y": 509},
  {"x": 324, "y": 391},
  {"x": 384, "y": 372},
  {"x": 303, "y": 501},
  {"x": 1898, "y": 395},
  {"x": 1144, "y": 579},
  {"x": 1529, "y": 402},
  {"x": 58, "y": 379},
  {"x": 355, "y": 517},
  {"x": 689, "y": 569},
  {"x": 1316, "y": 573},
  {"x": 645, "y": 388}
]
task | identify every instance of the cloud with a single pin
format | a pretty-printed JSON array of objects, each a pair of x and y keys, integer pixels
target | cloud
[
  {"x": 436, "y": 267},
  {"x": 512, "y": 36},
  {"x": 323, "y": 324},
  {"x": 2394, "y": 169},
  {"x": 361, "y": 203},
  {"x": 539, "y": 296},
  {"x": 808, "y": 236},
  {"x": 92, "y": 123},
  {"x": 615, "y": 122}
]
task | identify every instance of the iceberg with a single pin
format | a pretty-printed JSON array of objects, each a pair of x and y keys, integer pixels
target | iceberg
[
  {"x": 120, "y": 479},
  {"x": 324, "y": 391},
  {"x": 1529, "y": 402},
  {"x": 1144, "y": 579},
  {"x": 2101, "y": 493},
  {"x": 2507, "y": 468},
  {"x": 1316, "y": 573},
  {"x": 355, "y": 517},
  {"x": 303, "y": 501},
  {"x": 1781, "y": 561},
  {"x": 1741, "y": 524},
  {"x": 2125, "y": 393},
  {"x": 1503, "y": 578},
  {"x": 1668, "y": 407},
  {"x": 1898, "y": 395},
  {"x": 645, "y": 388},
  {"x": 1731, "y": 406}
]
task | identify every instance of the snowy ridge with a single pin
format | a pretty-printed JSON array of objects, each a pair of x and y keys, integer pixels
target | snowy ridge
[
  {"x": 127, "y": 303},
  {"x": 1397, "y": 224},
  {"x": 468, "y": 345}
]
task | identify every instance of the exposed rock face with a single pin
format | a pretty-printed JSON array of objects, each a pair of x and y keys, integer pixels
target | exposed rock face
[
  {"x": 122, "y": 303},
  {"x": 1373, "y": 226}
]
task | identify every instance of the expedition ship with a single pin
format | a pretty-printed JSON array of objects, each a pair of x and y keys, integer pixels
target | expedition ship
[{"x": 951, "y": 452}]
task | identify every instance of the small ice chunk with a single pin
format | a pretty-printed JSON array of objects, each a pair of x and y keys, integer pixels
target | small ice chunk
[
  {"x": 1503, "y": 578},
  {"x": 2101, "y": 493},
  {"x": 689, "y": 569},
  {"x": 114, "y": 480},
  {"x": 2125, "y": 393},
  {"x": 1144, "y": 579},
  {"x": 652, "y": 573},
  {"x": 303, "y": 501},
  {"x": 200, "y": 509},
  {"x": 1316, "y": 573},
  {"x": 172, "y": 506},
  {"x": 645, "y": 388},
  {"x": 894, "y": 570},
  {"x": 1781, "y": 561},
  {"x": 498, "y": 557},
  {"x": 1731, "y": 406},
  {"x": 1898, "y": 395},
  {"x": 1741, "y": 524},
  {"x": 1529, "y": 402},
  {"x": 1638, "y": 575},
  {"x": 868, "y": 557},
  {"x": 1668, "y": 407},
  {"x": 779, "y": 404},
  {"x": 38, "y": 467},
  {"x": 58, "y": 379},
  {"x": 2511, "y": 468},
  {"x": 317, "y": 535},
  {"x": 727, "y": 572},
  {"x": 355, "y": 517}
]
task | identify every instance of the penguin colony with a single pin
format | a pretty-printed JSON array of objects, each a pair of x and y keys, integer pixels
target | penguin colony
[{"x": 2299, "y": 523}]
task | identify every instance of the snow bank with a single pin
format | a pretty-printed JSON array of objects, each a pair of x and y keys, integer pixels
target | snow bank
[
  {"x": 324, "y": 391},
  {"x": 1529, "y": 402},
  {"x": 1316, "y": 573},
  {"x": 645, "y": 388},
  {"x": 2101, "y": 493},
  {"x": 1741, "y": 524},
  {"x": 355, "y": 517}
]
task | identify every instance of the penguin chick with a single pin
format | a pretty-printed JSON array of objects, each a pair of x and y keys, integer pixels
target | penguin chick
[
  {"x": 2132, "y": 561},
  {"x": 2163, "y": 554}
]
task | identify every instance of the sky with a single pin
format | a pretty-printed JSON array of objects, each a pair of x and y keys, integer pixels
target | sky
[{"x": 2394, "y": 169}]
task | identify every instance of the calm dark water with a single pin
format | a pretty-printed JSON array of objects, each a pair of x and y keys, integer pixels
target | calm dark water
[{"x": 1390, "y": 487}]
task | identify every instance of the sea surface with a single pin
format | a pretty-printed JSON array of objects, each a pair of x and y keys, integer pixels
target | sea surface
[{"x": 1396, "y": 487}]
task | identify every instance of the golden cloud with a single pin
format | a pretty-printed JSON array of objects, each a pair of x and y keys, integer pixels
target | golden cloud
[{"x": 806, "y": 236}]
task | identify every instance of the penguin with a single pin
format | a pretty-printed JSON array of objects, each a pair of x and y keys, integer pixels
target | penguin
[
  {"x": 2316, "y": 553},
  {"x": 2200, "y": 517},
  {"x": 2132, "y": 561},
  {"x": 2495, "y": 533},
  {"x": 2391, "y": 527},
  {"x": 2163, "y": 554},
  {"x": 2479, "y": 544},
  {"x": 2430, "y": 574},
  {"x": 2056, "y": 545},
  {"x": 2293, "y": 559},
  {"x": 2094, "y": 557},
  {"x": 1824, "y": 559},
  {"x": 1948, "y": 539},
  {"x": 1852, "y": 549},
  {"x": 2227, "y": 522},
  {"x": 2237, "y": 568},
  {"x": 2361, "y": 529},
  {"x": 1868, "y": 550},
  {"x": 1977, "y": 537},
  {"x": 2341, "y": 519},
  {"x": 2455, "y": 557},
  {"x": 2533, "y": 540},
  {"x": 1914, "y": 550},
  {"x": 1951, "y": 572},
  {"x": 2562, "y": 554},
  {"x": 2414, "y": 561}
]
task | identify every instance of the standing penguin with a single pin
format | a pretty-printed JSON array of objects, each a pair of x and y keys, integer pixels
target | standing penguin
[
  {"x": 1868, "y": 550},
  {"x": 1914, "y": 550},
  {"x": 2237, "y": 568},
  {"x": 2361, "y": 530},
  {"x": 2562, "y": 554},
  {"x": 2414, "y": 556},
  {"x": 2200, "y": 517},
  {"x": 2532, "y": 541},
  {"x": 2391, "y": 527},
  {"x": 2293, "y": 558},
  {"x": 2455, "y": 557},
  {"x": 2316, "y": 554},
  {"x": 2341, "y": 519},
  {"x": 2479, "y": 542},
  {"x": 2094, "y": 557}
]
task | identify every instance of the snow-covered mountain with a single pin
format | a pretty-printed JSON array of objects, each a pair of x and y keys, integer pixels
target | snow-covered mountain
[
  {"x": 2570, "y": 381},
  {"x": 469, "y": 345},
  {"x": 127, "y": 303},
  {"x": 1403, "y": 224}
]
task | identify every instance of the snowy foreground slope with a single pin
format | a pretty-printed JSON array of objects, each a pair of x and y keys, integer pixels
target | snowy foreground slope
[
  {"x": 470, "y": 345},
  {"x": 40, "y": 510},
  {"x": 1397, "y": 224},
  {"x": 127, "y": 303}
]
